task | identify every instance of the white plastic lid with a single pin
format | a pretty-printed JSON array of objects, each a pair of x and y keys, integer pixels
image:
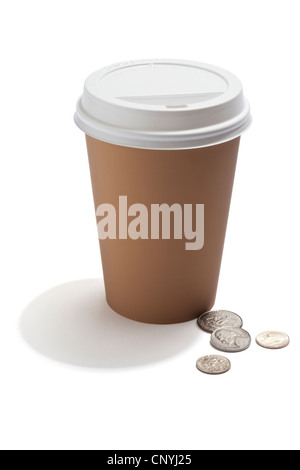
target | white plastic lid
[{"x": 163, "y": 104}]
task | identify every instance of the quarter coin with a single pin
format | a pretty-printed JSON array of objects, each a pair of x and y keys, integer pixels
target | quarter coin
[
  {"x": 231, "y": 339},
  {"x": 213, "y": 365},
  {"x": 211, "y": 321},
  {"x": 273, "y": 340}
]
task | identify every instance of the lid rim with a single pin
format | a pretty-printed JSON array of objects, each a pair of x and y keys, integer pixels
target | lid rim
[{"x": 150, "y": 142}]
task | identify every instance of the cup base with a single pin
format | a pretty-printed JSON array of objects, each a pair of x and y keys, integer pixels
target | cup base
[{"x": 165, "y": 318}]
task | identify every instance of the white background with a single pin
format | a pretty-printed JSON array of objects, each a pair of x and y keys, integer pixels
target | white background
[{"x": 75, "y": 375}]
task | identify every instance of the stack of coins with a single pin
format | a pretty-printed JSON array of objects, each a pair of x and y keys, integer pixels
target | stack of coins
[{"x": 227, "y": 335}]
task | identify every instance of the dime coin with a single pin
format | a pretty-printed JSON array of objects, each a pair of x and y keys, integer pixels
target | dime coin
[
  {"x": 213, "y": 365},
  {"x": 231, "y": 339},
  {"x": 211, "y": 321},
  {"x": 273, "y": 340}
]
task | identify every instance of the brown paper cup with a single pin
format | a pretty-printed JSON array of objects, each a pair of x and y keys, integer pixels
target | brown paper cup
[
  {"x": 162, "y": 138},
  {"x": 159, "y": 280}
]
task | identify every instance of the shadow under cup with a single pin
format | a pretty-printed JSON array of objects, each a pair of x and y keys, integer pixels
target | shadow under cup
[{"x": 155, "y": 279}]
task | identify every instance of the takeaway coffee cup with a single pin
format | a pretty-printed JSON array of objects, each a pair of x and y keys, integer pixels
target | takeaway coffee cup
[{"x": 162, "y": 139}]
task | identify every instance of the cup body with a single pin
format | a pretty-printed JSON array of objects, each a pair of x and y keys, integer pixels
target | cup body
[{"x": 155, "y": 278}]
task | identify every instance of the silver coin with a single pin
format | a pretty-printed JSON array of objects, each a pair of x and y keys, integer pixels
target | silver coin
[
  {"x": 213, "y": 365},
  {"x": 231, "y": 339},
  {"x": 211, "y": 321},
  {"x": 273, "y": 340}
]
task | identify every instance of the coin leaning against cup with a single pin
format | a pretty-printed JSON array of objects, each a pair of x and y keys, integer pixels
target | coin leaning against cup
[
  {"x": 211, "y": 321},
  {"x": 231, "y": 339},
  {"x": 273, "y": 340},
  {"x": 213, "y": 365}
]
